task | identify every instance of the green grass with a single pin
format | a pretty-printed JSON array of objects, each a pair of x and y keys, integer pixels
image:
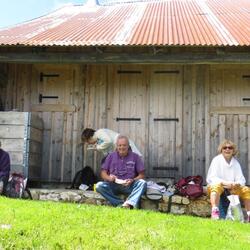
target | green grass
[{"x": 48, "y": 225}]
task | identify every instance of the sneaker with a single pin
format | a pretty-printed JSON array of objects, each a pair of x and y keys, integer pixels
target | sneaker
[
  {"x": 1, "y": 187},
  {"x": 215, "y": 214}
]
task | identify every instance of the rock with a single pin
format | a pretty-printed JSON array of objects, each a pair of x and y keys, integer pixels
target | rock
[{"x": 179, "y": 205}]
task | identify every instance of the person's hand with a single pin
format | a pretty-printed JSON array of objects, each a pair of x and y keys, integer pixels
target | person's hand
[
  {"x": 227, "y": 185},
  {"x": 128, "y": 182},
  {"x": 235, "y": 185},
  {"x": 112, "y": 178}
]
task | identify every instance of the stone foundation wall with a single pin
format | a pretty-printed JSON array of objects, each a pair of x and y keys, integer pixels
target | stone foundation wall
[{"x": 179, "y": 205}]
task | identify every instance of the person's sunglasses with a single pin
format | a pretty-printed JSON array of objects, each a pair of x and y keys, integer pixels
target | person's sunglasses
[{"x": 229, "y": 147}]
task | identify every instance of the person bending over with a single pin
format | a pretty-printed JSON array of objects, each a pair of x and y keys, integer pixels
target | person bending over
[
  {"x": 122, "y": 172},
  {"x": 225, "y": 173},
  {"x": 104, "y": 140}
]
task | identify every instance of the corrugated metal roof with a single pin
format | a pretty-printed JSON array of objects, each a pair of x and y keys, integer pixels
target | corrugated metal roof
[{"x": 165, "y": 22}]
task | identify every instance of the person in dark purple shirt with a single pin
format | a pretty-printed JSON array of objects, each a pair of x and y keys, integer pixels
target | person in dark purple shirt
[
  {"x": 123, "y": 172},
  {"x": 4, "y": 169}
]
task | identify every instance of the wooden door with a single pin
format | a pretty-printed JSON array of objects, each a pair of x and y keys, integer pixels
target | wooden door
[
  {"x": 165, "y": 121},
  {"x": 127, "y": 105},
  {"x": 54, "y": 102}
]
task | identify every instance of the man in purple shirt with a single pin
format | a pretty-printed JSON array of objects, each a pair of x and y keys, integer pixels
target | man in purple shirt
[
  {"x": 4, "y": 169},
  {"x": 123, "y": 172}
]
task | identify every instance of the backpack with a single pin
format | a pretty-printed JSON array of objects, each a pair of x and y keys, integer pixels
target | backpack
[
  {"x": 190, "y": 186},
  {"x": 84, "y": 176},
  {"x": 17, "y": 186}
]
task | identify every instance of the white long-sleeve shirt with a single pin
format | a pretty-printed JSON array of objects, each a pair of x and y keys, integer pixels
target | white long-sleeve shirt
[
  {"x": 106, "y": 141},
  {"x": 220, "y": 170}
]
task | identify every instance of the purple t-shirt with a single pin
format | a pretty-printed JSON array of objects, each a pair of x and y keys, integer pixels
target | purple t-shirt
[
  {"x": 4, "y": 163},
  {"x": 127, "y": 167}
]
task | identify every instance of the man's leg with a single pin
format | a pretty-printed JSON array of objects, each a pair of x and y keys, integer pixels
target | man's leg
[
  {"x": 107, "y": 190},
  {"x": 136, "y": 189}
]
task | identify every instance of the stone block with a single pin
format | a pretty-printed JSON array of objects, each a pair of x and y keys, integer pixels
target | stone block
[
  {"x": 177, "y": 199},
  {"x": 178, "y": 209}
]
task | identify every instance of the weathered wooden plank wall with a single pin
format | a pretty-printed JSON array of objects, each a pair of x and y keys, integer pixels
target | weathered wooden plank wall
[
  {"x": 62, "y": 116},
  {"x": 229, "y": 110},
  {"x": 207, "y": 101},
  {"x": 21, "y": 136}
]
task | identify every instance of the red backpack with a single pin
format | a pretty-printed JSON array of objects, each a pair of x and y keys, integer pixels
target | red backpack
[{"x": 190, "y": 186}]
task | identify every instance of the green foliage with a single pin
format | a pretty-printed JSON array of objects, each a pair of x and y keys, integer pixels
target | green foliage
[{"x": 46, "y": 225}]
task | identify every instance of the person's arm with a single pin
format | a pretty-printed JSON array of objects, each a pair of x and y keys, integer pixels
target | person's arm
[
  {"x": 141, "y": 175},
  {"x": 105, "y": 139},
  {"x": 106, "y": 177}
]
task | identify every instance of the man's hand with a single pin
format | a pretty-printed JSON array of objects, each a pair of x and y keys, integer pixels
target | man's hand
[
  {"x": 128, "y": 182},
  {"x": 112, "y": 178}
]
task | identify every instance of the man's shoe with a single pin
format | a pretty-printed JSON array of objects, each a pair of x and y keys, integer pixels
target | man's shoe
[
  {"x": 1, "y": 187},
  {"x": 215, "y": 214},
  {"x": 126, "y": 205}
]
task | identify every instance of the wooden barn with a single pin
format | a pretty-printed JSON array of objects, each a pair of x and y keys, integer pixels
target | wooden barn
[{"x": 173, "y": 75}]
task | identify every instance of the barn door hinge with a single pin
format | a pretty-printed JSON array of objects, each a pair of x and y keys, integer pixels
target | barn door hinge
[
  {"x": 42, "y": 75},
  {"x": 129, "y": 72},
  {"x": 167, "y": 72},
  {"x": 41, "y": 97},
  {"x": 127, "y": 119},
  {"x": 167, "y": 119},
  {"x": 246, "y": 76}
]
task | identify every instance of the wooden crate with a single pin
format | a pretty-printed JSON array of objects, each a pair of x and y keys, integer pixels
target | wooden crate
[{"x": 21, "y": 135}]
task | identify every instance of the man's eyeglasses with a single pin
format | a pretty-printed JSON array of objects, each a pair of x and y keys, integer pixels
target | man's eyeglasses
[{"x": 229, "y": 147}]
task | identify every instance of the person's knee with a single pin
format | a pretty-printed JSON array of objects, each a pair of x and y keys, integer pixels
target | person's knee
[
  {"x": 212, "y": 189},
  {"x": 141, "y": 183},
  {"x": 100, "y": 186}
]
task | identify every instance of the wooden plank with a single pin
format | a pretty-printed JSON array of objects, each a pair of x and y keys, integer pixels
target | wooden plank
[
  {"x": 230, "y": 110},
  {"x": 199, "y": 165},
  {"x": 187, "y": 121},
  {"x": 13, "y": 144},
  {"x": 36, "y": 121},
  {"x": 12, "y": 118},
  {"x": 12, "y": 131},
  {"x": 222, "y": 128},
  {"x": 135, "y": 57},
  {"x": 34, "y": 147},
  {"x": 47, "y": 146},
  {"x": 16, "y": 158},
  {"x": 207, "y": 119},
  {"x": 53, "y": 108},
  {"x": 57, "y": 137},
  {"x": 36, "y": 135},
  {"x": 34, "y": 160},
  {"x": 16, "y": 169},
  {"x": 242, "y": 145}
]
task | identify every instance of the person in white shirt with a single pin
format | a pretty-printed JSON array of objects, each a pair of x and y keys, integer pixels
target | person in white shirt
[
  {"x": 225, "y": 173},
  {"x": 104, "y": 140}
]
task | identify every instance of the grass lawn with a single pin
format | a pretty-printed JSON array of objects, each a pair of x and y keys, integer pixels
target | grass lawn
[{"x": 26, "y": 224}]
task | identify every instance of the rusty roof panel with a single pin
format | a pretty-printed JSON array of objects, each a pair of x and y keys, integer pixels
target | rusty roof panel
[{"x": 142, "y": 23}]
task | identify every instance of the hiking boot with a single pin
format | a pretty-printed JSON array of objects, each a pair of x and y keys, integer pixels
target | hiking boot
[
  {"x": 215, "y": 214},
  {"x": 1, "y": 187}
]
